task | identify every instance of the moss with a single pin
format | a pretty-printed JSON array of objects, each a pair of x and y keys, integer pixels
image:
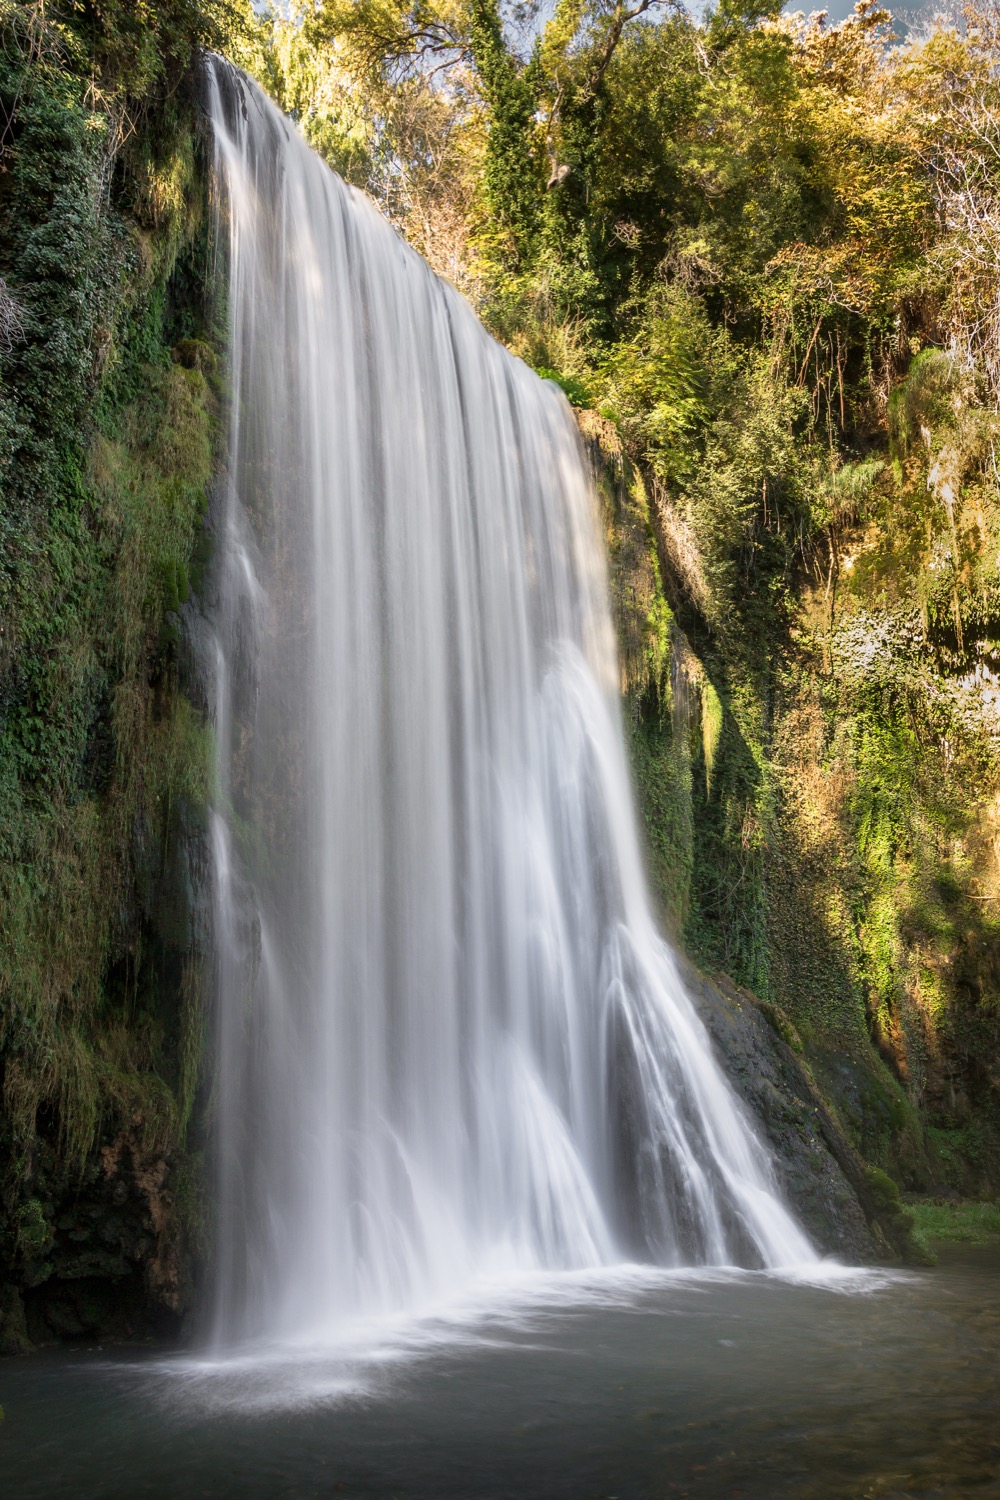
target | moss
[
  {"x": 34, "y": 1231},
  {"x": 13, "y": 1325},
  {"x": 188, "y": 1184},
  {"x": 105, "y": 765},
  {"x": 711, "y": 729},
  {"x": 819, "y": 822},
  {"x": 662, "y": 775},
  {"x": 780, "y": 1023},
  {"x": 883, "y": 1205},
  {"x": 195, "y": 354}
]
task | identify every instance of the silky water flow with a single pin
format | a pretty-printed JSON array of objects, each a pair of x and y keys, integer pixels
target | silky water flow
[{"x": 451, "y": 1041}]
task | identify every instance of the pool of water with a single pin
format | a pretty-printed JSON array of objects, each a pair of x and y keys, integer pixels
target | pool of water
[{"x": 633, "y": 1385}]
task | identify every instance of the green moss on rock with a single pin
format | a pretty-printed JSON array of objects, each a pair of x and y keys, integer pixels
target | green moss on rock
[{"x": 106, "y": 460}]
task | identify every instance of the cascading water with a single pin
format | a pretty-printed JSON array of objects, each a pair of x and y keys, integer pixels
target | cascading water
[{"x": 450, "y": 1038}]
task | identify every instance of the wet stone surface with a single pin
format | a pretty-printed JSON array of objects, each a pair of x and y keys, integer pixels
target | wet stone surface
[{"x": 819, "y": 1173}]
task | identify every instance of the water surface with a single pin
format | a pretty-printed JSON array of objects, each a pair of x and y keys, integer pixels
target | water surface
[{"x": 631, "y": 1385}]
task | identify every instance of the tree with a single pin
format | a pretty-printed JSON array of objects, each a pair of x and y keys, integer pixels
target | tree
[{"x": 532, "y": 96}]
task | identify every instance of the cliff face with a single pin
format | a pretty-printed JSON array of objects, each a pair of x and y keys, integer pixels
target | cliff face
[
  {"x": 820, "y": 799},
  {"x": 107, "y": 416},
  {"x": 812, "y": 831}
]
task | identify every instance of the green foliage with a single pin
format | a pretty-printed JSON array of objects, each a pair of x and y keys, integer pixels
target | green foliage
[
  {"x": 510, "y": 172},
  {"x": 661, "y": 766},
  {"x": 780, "y": 1023},
  {"x": 763, "y": 288},
  {"x": 711, "y": 729},
  {"x": 336, "y": 109},
  {"x": 942, "y": 1222},
  {"x": 573, "y": 389},
  {"x": 106, "y": 461},
  {"x": 884, "y": 1206},
  {"x": 758, "y": 250},
  {"x": 659, "y": 381},
  {"x": 140, "y": 47}
]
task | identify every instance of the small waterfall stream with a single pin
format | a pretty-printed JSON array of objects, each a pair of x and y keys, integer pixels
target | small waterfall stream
[{"x": 450, "y": 1038}]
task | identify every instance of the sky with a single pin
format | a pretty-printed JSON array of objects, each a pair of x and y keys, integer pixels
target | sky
[{"x": 839, "y": 10}]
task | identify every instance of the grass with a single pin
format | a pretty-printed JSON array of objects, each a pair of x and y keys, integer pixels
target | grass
[{"x": 956, "y": 1223}]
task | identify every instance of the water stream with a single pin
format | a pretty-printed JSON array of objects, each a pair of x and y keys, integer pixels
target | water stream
[{"x": 451, "y": 1039}]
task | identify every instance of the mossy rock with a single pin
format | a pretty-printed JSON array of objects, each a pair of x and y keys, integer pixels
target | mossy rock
[
  {"x": 779, "y": 1021},
  {"x": 195, "y": 354},
  {"x": 882, "y": 1203},
  {"x": 13, "y": 1327}
]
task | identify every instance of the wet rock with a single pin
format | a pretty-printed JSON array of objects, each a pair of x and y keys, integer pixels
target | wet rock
[
  {"x": 14, "y": 1337},
  {"x": 114, "y": 1261},
  {"x": 848, "y": 1208}
]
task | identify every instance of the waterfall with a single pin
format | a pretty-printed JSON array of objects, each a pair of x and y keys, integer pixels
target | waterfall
[{"x": 450, "y": 1039}]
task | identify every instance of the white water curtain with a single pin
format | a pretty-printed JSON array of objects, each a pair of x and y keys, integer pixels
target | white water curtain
[{"x": 450, "y": 1038}]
